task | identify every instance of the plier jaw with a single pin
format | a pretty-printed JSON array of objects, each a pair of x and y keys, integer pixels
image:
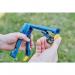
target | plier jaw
[{"x": 49, "y": 39}]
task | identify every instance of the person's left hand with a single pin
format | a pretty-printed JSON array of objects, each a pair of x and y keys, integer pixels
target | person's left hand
[{"x": 46, "y": 52}]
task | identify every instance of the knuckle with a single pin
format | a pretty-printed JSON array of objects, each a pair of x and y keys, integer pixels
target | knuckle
[{"x": 38, "y": 42}]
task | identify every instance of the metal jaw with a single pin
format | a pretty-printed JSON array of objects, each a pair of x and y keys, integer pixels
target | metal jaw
[{"x": 49, "y": 39}]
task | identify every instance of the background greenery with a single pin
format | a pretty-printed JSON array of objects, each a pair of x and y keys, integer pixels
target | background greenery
[{"x": 12, "y": 22}]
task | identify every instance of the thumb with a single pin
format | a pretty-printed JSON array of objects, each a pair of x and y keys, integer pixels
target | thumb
[{"x": 22, "y": 36}]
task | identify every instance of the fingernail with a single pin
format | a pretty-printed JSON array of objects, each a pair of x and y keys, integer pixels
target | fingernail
[{"x": 28, "y": 39}]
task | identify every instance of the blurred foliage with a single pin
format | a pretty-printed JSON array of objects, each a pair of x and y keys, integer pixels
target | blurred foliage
[{"x": 12, "y": 22}]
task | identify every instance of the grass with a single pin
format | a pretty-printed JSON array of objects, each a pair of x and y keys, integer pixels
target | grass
[{"x": 12, "y": 22}]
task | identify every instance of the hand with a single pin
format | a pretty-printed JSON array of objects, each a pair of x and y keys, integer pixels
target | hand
[
  {"x": 8, "y": 41},
  {"x": 46, "y": 52}
]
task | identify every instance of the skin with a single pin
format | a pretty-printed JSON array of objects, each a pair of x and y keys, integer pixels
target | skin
[
  {"x": 8, "y": 41},
  {"x": 44, "y": 51}
]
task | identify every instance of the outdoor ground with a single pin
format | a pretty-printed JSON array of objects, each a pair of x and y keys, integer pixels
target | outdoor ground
[{"x": 12, "y": 22}]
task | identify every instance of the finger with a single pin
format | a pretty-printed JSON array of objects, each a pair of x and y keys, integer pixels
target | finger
[
  {"x": 42, "y": 40},
  {"x": 47, "y": 45},
  {"x": 31, "y": 42},
  {"x": 22, "y": 47},
  {"x": 38, "y": 46},
  {"x": 8, "y": 47},
  {"x": 22, "y": 36}
]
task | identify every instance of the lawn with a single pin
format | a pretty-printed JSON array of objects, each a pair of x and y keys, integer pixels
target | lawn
[{"x": 12, "y": 22}]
